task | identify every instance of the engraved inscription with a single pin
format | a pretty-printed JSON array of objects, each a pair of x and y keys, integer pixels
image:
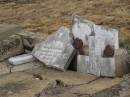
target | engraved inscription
[{"x": 49, "y": 52}]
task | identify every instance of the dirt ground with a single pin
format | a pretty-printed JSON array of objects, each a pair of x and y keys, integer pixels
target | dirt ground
[
  {"x": 71, "y": 84},
  {"x": 47, "y": 16}
]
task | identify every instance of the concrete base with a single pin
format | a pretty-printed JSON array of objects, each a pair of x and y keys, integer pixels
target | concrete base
[
  {"x": 28, "y": 86},
  {"x": 109, "y": 67},
  {"x": 24, "y": 67}
]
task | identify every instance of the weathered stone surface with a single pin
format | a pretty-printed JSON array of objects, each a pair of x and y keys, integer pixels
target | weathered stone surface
[
  {"x": 21, "y": 59},
  {"x": 30, "y": 39},
  {"x": 94, "y": 57},
  {"x": 96, "y": 47},
  {"x": 110, "y": 35},
  {"x": 57, "y": 50},
  {"x": 108, "y": 67},
  {"x": 82, "y": 29},
  {"x": 10, "y": 43},
  {"x": 24, "y": 67},
  {"x": 83, "y": 64},
  {"x": 100, "y": 59},
  {"x": 10, "y": 47}
]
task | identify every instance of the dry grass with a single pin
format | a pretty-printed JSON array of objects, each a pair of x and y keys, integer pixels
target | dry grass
[{"x": 46, "y": 16}]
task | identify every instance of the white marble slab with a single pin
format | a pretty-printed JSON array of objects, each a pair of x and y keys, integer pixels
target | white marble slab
[{"x": 57, "y": 50}]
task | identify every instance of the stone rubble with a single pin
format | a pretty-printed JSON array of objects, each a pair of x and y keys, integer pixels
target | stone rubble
[
  {"x": 101, "y": 43},
  {"x": 88, "y": 48}
]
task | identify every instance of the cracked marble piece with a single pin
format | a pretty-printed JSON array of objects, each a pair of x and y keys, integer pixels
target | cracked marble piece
[
  {"x": 83, "y": 64},
  {"x": 24, "y": 67},
  {"x": 57, "y": 50}
]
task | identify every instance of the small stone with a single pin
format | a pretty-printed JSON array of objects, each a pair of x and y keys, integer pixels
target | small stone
[{"x": 108, "y": 52}]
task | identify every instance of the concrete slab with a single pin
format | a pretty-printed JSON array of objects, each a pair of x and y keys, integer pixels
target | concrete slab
[
  {"x": 110, "y": 35},
  {"x": 96, "y": 38},
  {"x": 82, "y": 29},
  {"x": 83, "y": 64},
  {"x": 23, "y": 67},
  {"x": 94, "y": 56},
  {"x": 23, "y": 84}
]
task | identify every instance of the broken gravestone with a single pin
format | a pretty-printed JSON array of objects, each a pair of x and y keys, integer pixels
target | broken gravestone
[
  {"x": 57, "y": 50},
  {"x": 101, "y": 43},
  {"x": 10, "y": 42}
]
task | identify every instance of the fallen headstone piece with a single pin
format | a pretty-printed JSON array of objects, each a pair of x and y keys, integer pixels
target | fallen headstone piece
[
  {"x": 57, "y": 50},
  {"x": 96, "y": 48}
]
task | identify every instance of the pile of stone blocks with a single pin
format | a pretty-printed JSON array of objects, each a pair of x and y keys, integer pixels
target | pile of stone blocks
[
  {"x": 97, "y": 49},
  {"x": 93, "y": 49},
  {"x": 96, "y": 39},
  {"x": 12, "y": 43}
]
